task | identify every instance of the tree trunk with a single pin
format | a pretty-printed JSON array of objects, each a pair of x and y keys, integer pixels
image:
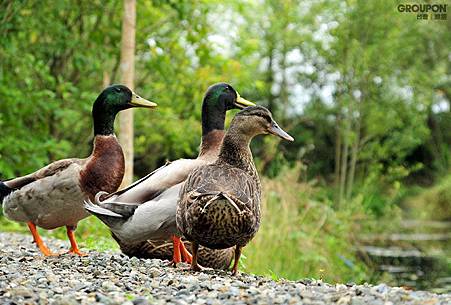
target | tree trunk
[
  {"x": 284, "y": 96},
  {"x": 127, "y": 68},
  {"x": 337, "y": 156},
  {"x": 106, "y": 79},
  {"x": 357, "y": 139},
  {"x": 354, "y": 155},
  {"x": 344, "y": 161},
  {"x": 270, "y": 78},
  {"x": 267, "y": 156}
]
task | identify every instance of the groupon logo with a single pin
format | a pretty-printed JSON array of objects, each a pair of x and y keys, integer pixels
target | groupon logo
[
  {"x": 425, "y": 11},
  {"x": 422, "y": 8}
]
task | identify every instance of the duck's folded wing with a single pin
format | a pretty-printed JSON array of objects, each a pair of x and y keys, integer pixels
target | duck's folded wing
[
  {"x": 132, "y": 223},
  {"x": 155, "y": 183},
  {"x": 157, "y": 217},
  {"x": 207, "y": 184},
  {"x": 232, "y": 182},
  {"x": 46, "y": 171}
]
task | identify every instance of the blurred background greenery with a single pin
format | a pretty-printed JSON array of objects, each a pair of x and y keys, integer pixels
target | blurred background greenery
[{"x": 364, "y": 89}]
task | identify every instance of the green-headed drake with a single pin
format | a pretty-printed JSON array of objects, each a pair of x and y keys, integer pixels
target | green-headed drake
[{"x": 53, "y": 196}]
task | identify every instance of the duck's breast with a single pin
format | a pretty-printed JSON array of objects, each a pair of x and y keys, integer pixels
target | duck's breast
[
  {"x": 49, "y": 202},
  {"x": 104, "y": 169}
]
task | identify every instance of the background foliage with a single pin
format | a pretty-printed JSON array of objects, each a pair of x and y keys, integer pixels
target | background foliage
[{"x": 364, "y": 89}]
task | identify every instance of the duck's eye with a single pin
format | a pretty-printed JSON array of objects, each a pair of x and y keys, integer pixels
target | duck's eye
[{"x": 118, "y": 90}]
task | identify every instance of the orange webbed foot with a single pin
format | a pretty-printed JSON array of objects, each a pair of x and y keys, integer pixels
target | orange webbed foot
[
  {"x": 38, "y": 240},
  {"x": 74, "y": 246},
  {"x": 187, "y": 257},
  {"x": 46, "y": 251},
  {"x": 76, "y": 252}
]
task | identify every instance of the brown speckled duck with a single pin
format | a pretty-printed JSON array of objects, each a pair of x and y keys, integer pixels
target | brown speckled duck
[
  {"x": 219, "y": 205},
  {"x": 53, "y": 196},
  {"x": 142, "y": 216}
]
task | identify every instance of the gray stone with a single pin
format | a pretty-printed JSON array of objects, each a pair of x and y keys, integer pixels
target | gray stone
[{"x": 22, "y": 292}]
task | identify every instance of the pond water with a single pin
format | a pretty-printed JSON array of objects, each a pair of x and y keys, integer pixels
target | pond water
[{"x": 419, "y": 257}]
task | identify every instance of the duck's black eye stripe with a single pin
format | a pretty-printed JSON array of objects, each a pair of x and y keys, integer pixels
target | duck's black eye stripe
[
  {"x": 262, "y": 115},
  {"x": 267, "y": 117}
]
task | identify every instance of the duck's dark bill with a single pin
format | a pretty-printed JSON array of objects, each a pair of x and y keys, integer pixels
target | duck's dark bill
[
  {"x": 242, "y": 103},
  {"x": 138, "y": 101},
  {"x": 276, "y": 130}
]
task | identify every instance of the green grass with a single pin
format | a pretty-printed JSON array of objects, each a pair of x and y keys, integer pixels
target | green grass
[{"x": 432, "y": 203}]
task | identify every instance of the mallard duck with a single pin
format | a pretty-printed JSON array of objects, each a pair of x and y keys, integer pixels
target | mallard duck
[
  {"x": 146, "y": 209},
  {"x": 219, "y": 205},
  {"x": 53, "y": 196}
]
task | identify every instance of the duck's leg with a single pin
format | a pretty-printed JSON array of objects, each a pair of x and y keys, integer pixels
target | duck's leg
[
  {"x": 194, "y": 265},
  {"x": 187, "y": 257},
  {"x": 38, "y": 240},
  {"x": 179, "y": 252},
  {"x": 177, "y": 256},
  {"x": 237, "y": 259},
  {"x": 73, "y": 243}
]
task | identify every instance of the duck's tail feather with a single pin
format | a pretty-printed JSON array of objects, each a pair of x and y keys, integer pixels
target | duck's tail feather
[
  {"x": 99, "y": 211},
  {"x": 110, "y": 218},
  {"x": 124, "y": 209},
  {"x": 111, "y": 213},
  {"x": 4, "y": 190}
]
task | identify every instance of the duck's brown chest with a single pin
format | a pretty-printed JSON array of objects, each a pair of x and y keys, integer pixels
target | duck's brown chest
[{"x": 104, "y": 169}]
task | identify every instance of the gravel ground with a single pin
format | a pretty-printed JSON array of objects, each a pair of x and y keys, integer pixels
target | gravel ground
[{"x": 112, "y": 278}]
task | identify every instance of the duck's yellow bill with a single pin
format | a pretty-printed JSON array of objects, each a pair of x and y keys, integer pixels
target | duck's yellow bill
[
  {"x": 242, "y": 103},
  {"x": 138, "y": 101}
]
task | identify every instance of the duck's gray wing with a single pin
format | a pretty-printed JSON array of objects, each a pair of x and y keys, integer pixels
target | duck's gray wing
[
  {"x": 9, "y": 186},
  {"x": 155, "y": 183},
  {"x": 46, "y": 171},
  {"x": 50, "y": 197},
  {"x": 137, "y": 222}
]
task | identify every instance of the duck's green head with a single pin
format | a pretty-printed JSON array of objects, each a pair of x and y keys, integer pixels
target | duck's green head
[
  {"x": 218, "y": 99},
  {"x": 113, "y": 99},
  {"x": 118, "y": 97}
]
